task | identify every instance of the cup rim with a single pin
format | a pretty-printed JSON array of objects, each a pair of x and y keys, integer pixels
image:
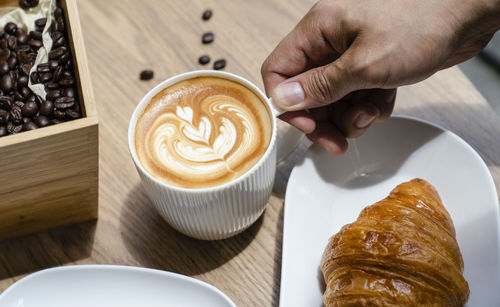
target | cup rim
[{"x": 146, "y": 99}]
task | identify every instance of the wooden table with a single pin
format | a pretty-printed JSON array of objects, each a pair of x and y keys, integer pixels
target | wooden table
[{"x": 124, "y": 37}]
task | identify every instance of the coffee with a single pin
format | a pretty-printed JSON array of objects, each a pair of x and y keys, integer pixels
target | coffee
[{"x": 202, "y": 132}]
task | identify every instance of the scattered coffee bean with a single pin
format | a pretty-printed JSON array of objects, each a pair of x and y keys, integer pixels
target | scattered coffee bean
[
  {"x": 206, "y": 14},
  {"x": 41, "y": 121},
  {"x": 207, "y": 38},
  {"x": 146, "y": 74},
  {"x": 18, "y": 103},
  {"x": 10, "y": 28},
  {"x": 26, "y": 4},
  {"x": 30, "y": 109},
  {"x": 58, "y": 12},
  {"x": 66, "y": 82},
  {"x": 34, "y": 78},
  {"x": 25, "y": 69},
  {"x": 64, "y": 58},
  {"x": 25, "y": 92},
  {"x": 29, "y": 126},
  {"x": 51, "y": 85},
  {"x": 219, "y": 64},
  {"x": 47, "y": 108},
  {"x": 45, "y": 77},
  {"x": 40, "y": 22},
  {"x": 204, "y": 59},
  {"x": 5, "y": 118},
  {"x": 3, "y": 131}
]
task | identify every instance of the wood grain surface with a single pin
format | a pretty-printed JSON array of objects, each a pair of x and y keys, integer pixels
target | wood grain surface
[{"x": 123, "y": 37}]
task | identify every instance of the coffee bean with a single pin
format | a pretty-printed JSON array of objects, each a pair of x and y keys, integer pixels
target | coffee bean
[
  {"x": 207, "y": 38},
  {"x": 60, "y": 41},
  {"x": 26, "y": 4},
  {"x": 45, "y": 77},
  {"x": 5, "y": 102},
  {"x": 34, "y": 78},
  {"x": 25, "y": 92},
  {"x": 13, "y": 129},
  {"x": 60, "y": 114},
  {"x": 36, "y": 35},
  {"x": 77, "y": 108},
  {"x": 58, "y": 74},
  {"x": 204, "y": 59},
  {"x": 31, "y": 98},
  {"x": 72, "y": 114},
  {"x": 3, "y": 131},
  {"x": 206, "y": 14},
  {"x": 56, "y": 53},
  {"x": 29, "y": 109},
  {"x": 41, "y": 121},
  {"x": 67, "y": 82},
  {"x": 69, "y": 92},
  {"x": 12, "y": 43},
  {"x": 60, "y": 23},
  {"x": 16, "y": 115},
  {"x": 2, "y": 118},
  {"x": 6, "y": 83},
  {"x": 41, "y": 22},
  {"x": 35, "y": 43},
  {"x": 22, "y": 39},
  {"x": 47, "y": 108},
  {"x": 64, "y": 58},
  {"x": 22, "y": 81},
  {"x": 55, "y": 121},
  {"x": 64, "y": 102},
  {"x": 4, "y": 67},
  {"x": 39, "y": 100},
  {"x": 53, "y": 94},
  {"x": 5, "y": 118},
  {"x": 10, "y": 28},
  {"x": 58, "y": 12},
  {"x": 12, "y": 62},
  {"x": 25, "y": 69},
  {"x": 26, "y": 119},
  {"x": 146, "y": 74},
  {"x": 51, "y": 85},
  {"x": 43, "y": 67},
  {"x": 29, "y": 126},
  {"x": 17, "y": 96},
  {"x": 68, "y": 65},
  {"x": 18, "y": 103},
  {"x": 219, "y": 64},
  {"x": 53, "y": 64}
]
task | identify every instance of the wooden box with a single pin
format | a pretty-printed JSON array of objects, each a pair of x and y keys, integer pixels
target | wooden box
[{"x": 49, "y": 176}]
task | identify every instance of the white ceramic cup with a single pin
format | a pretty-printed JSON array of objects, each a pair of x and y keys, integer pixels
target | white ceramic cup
[{"x": 225, "y": 210}]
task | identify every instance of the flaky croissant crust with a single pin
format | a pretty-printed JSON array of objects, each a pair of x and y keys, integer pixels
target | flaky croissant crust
[{"x": 401, "y": 251}]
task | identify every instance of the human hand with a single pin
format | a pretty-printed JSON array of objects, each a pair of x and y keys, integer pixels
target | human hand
[{"x": 337, "y": 71}]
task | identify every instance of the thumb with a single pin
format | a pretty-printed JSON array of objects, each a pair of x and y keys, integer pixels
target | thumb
[{"x": 316, "y": 87}]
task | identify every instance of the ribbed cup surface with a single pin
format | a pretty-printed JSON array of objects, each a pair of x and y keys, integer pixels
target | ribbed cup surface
[{"x": 219, "y": 213}]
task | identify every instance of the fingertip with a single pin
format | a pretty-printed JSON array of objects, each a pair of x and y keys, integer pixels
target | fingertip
[
  {"x": 329, "y": 137},
  {"x": 299, "y": 119}
]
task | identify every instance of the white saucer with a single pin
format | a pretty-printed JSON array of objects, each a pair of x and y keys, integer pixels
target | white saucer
[
  {"x": 111, "y": 286},
  {"x": 324, "y": 193}
]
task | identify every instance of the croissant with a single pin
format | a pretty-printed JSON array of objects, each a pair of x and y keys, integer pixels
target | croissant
[{"x": 401, "y": 251}]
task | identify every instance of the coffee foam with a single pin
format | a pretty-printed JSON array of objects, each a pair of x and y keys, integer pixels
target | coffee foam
[{"x": 202, "y": 132}]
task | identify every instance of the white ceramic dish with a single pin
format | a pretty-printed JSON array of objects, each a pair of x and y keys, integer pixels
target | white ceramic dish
[
  {"x": 323, "y": 195},
  {"x": 110, "y": 286}
]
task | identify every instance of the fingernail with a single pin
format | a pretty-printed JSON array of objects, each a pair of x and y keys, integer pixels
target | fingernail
[
  {"x": 363, "y": 120},
  {"x": 288, "y": 94}
]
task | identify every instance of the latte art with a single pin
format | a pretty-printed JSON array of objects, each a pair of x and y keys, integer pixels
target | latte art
[{"x": 202, "y": 132}]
